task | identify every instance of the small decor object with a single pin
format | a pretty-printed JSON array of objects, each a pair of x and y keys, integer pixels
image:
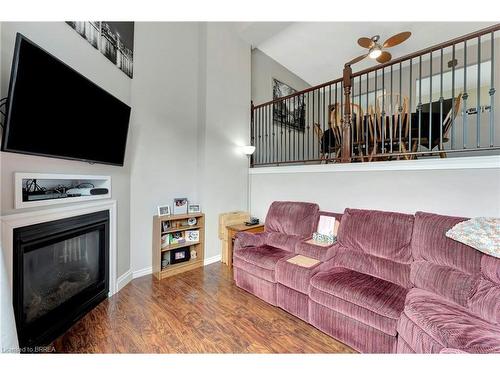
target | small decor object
[
  {"x": 481, "y": 233},
  {"x": 165, "y": 225},
  {"x": 192, "y": 235},
  {"x": 177, "y": 238},
  {"x": 180, "y": 206},
  {"x": 194, "y": 208},
  {"x": 115, "y": 40},
  {"x": 288, "y": 113},
  {"x": 326, "y": 233},
  {"x": 179, "y": 255},
  {"x": 165, "y": 259},
  {"x": 165, "y": 240},
  {"x": 194, "y": 254},
  {"x": 164, "y": 210},
  {"x": 192, "y": 221}
]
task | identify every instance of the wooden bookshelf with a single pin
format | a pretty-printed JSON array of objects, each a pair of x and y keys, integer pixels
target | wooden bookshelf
[{"x": 178, "y": 223}]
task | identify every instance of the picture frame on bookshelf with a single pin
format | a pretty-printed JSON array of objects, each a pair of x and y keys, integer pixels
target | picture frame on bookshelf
[
  {"x": 194, "y": 208},
  {"x": 164, "y": 210},
  {"x": 165, "y": 225},
  {"x": 180, "y": 206},
  {"x": 192, "y": 235}
]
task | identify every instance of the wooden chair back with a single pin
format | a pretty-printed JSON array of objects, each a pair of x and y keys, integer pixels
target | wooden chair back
[{"x": 452, "y": 114}]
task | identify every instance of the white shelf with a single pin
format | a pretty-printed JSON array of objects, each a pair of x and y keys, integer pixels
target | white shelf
[{"x": 49, "y": 180}]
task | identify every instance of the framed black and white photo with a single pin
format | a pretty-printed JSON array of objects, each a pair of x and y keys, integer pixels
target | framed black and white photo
[
  {"x": 288, "y": 113},
  {"x": 164, "y": 210},
  {"x": 194, "y": 208},
  {"x": 115, "y": 40},
  {"x": 180, "y": 206}
]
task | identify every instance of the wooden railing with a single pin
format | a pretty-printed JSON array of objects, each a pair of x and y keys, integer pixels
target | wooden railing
[{"x": 435, "y": 102}]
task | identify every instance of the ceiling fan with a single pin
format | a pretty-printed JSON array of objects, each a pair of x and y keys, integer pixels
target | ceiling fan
[{"x": 376, "y": 50}]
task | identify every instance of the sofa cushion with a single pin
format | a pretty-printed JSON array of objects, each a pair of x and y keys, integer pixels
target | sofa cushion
[
  {"x": 295, "y": 276},
  {"x": 430, "y": 243},
  {"x": 382, "y": 234},
  {"x": 353, "y": 311},
  {"x": 394, "y": 272},
  {"x": 263, "y": 273},
  {"x": 245, "y": 239},
  {"x": 448, "y": 324},
  {"x": 384, "y": 298},
  {"x": 262, "y": 256},
  {"x": 292, "y": 218}
]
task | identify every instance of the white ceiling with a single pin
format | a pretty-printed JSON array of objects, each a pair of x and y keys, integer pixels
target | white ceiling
[{"x": 317, "y": 51}]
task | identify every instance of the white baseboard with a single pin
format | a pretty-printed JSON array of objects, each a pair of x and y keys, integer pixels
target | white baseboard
[
  {"x": 149, "y": 270},
  {"x": 123, "y": 280},
  {"x": 211, "y": 260},
  {"x": 142, "y": 272}
]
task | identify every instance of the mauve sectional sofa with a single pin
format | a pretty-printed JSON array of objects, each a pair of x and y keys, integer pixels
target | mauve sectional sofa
[{"x": 391, "y": 283}]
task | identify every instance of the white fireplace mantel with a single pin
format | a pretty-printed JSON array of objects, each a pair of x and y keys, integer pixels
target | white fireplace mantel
[{"x": 17, "y": 220}]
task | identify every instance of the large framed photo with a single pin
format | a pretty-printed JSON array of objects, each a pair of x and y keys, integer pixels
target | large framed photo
[
  {"x": 115, "y": 40},
  {"x": 164, "y": 210},
  {"x": 180, "y": 206},
  {"x": 289, "y": 113}
]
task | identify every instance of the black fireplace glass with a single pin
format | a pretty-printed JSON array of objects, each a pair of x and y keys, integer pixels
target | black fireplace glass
[
  {"x": 56, "y": 272},
  {"x": 60, "y": 273}
]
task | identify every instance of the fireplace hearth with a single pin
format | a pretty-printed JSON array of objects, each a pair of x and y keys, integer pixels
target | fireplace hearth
[{"x": 60, "y": 273}]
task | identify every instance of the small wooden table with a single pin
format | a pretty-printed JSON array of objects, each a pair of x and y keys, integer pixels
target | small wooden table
[{"x": 232, "y": 230}]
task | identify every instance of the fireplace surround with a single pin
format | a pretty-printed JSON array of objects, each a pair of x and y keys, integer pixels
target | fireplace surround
[
  {"x": 60, "y": 272},
  {"x": 11, "y": 222}
]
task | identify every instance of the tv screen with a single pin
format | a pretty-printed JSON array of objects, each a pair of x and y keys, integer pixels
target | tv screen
[{"x": 52, "y": 110}]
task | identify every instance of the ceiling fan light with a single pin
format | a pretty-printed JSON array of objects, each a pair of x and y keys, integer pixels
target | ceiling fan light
[{"x": 375, "y": 52}]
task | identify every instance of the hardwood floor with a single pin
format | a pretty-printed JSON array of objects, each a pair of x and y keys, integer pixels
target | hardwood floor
[{"x": 200, "y": 311}]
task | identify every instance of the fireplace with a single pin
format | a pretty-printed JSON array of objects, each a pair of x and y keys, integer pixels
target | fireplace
[{"x": 60, "y": 272}]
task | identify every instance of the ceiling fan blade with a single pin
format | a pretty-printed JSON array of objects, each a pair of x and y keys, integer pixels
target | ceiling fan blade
[
  {"x": 384, "y": 57},
  {"x": 396, "y": 39},
  {"x": 365, "y": 42},
  {"x": 357, "y": 59}
]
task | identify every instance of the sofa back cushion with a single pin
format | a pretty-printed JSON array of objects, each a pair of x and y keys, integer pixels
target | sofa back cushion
[
  {"x": 382, "y": 234},
  {"x": 292, "y": 218},
  {"x": 376, "y": 243},
  {"x": 453, "y": 270}
]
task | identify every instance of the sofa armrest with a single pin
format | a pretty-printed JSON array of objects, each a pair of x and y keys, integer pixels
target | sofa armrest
[
  {"x": 321, "y": 253},
  {"x": 246, "y": 239}
]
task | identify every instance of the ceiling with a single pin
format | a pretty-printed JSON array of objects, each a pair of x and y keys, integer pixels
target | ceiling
[{"x": 317, "y": 51}]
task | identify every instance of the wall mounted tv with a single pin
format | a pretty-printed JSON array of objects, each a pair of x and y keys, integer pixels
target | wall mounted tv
[{"x": 52, "y": 110}]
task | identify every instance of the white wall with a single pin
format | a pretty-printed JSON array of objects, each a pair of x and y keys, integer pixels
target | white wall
[
  {"x": 191, "y": 106},
  {"x": 224, "y": 120},
  {"x": 8, "y": 334},
  {"x": 164, "y": 126},
  {"x": 63, "y": 42},
  {"x": 467, "y": 192}
]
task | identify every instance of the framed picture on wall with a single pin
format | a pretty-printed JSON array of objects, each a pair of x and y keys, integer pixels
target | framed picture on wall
[{"x": 288, "y": 113}]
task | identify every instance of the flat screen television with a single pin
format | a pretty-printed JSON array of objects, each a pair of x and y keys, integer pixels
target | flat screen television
[{"x": 52, "y": 110}]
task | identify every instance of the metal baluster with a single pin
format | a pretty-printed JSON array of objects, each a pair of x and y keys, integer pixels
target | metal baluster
[
  {"x": 329, "y": 117},
  {"x": 361, "y": 118},
  {"x": 313, "y": 120},
  {"x": 400, "y": 108},
  {"x": 419, "y": 106},
  {"x": 478, "y": 105},
  {"x": 281, "y": 130},
  {"x": 377, "y": 120},
  {"x": 441, "y": 99},
  {"x": 303, "y": 117},
  {"x": 290, "y": 114},
  {"x": 452, "y": 141},
  {"x": 410, "y": 147},
  {"x": 323, "y": 112},
  {"x": 384, "y": 120},
  {"x": 391, "y": 119},
  {"x": 429, "y": 137},
  {"x": 352, "y": 116},
  {"x": 367, "y": 108},
  {"x": 308, "y": 128},
  {"x": 465, "y": 96},
  {"x": 491, "y": 92},
  {"x": 319, "y": 113}
]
